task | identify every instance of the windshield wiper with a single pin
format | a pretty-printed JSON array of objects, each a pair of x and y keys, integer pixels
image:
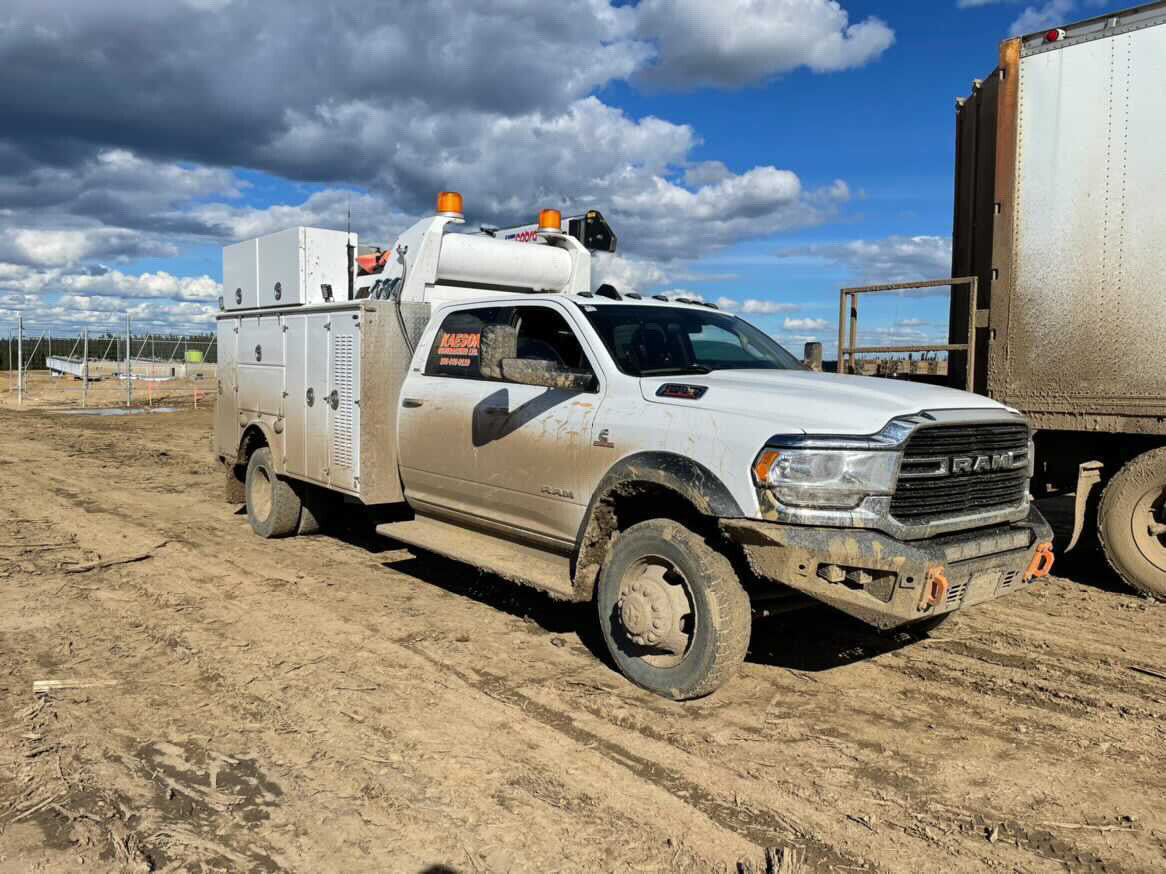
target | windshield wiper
[{"x": 684, "y": 368}]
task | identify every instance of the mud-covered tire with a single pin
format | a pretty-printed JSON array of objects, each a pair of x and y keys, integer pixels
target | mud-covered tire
[
  {"x": 273, "y": 507},
  {"x": 1133, "y": 499},
  {"x": 720, "y": 610}
]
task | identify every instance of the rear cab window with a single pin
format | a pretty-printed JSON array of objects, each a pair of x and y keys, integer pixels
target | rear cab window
[{"x": 455, "y": 349}]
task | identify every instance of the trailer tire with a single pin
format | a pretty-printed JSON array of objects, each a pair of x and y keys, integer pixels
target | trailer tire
[
  {"x": 1133, "y": 501},
  {"x": 273, "y": 507},
  {"x": 636, "y": 596}
]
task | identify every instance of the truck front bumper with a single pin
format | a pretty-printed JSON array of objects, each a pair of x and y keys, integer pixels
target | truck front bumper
[{"x": 887, "y": 582}]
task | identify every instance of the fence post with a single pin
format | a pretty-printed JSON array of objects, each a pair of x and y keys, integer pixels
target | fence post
[
  {"x": 20, "y": 360},
  {"x": 84, "y": 367},
  {"x": 129, "y": 382}
]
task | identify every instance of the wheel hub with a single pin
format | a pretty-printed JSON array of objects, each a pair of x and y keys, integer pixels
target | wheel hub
[
  {"x": 651, "y": 610},
  {"x": 1149, "y": 526}
]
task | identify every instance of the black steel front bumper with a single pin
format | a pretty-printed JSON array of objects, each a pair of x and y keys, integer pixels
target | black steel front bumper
[{"x": 887, "y": 582}]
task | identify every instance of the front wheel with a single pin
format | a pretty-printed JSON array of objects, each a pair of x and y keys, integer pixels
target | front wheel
[
  {"x": 1131, "y": 523},
  {"x": 672, "y": 611}
]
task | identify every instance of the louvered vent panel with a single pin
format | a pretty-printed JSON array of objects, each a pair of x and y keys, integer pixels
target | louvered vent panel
[{"x": 342, "y": 365}]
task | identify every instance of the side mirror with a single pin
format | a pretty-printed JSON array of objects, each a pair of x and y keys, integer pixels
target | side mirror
[{"x": 547, "y": 374}]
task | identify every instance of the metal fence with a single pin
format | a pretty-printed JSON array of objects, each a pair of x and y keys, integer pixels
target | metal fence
[{"x": 107, "y": 368}]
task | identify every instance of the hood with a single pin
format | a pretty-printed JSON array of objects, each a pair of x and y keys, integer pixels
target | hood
[{"x": 815, "y": 403}]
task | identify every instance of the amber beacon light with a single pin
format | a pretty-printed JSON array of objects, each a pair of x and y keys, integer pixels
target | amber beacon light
[
  {"x": 449, "y": 203},
  {"x": 550, "y": 220}
]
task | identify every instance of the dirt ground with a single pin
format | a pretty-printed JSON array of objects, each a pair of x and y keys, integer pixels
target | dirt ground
[{"x": 344, "y": 704}]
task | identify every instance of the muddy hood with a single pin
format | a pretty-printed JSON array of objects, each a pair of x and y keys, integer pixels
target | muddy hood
[{"x": 815, "y": 403}]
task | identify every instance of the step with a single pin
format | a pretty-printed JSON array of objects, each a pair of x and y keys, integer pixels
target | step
[{"x": 518, "y": 562}]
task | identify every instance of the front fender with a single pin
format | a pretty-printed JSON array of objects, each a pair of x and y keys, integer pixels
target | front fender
[{"x": 692, "y": 482}]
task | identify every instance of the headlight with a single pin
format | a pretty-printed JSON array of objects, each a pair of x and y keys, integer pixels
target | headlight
[{"x": 834, "y": 478}]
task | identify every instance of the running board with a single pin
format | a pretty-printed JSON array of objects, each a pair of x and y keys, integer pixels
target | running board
[{"x": 513, "y": 561}]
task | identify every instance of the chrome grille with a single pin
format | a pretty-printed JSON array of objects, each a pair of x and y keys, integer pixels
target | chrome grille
[{"x": 928, "y": 489}]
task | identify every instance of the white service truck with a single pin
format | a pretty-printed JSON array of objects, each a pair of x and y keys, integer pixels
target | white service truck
[{"x": 666, "y": 461}]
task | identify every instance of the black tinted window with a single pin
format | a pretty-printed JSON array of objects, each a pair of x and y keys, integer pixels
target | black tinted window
[
  {"x": 544, "y": 334},
  {"x": 455, "y": 349},
  {"x": 651, "y": 340}
]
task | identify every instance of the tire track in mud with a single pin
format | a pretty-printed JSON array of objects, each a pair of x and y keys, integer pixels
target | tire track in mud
[
  {"x": 722, "y": 811},
  {"x": 160, "y": 630},
  {"x": 212, "y": 525},
  {"x": 728, "y": 814}
]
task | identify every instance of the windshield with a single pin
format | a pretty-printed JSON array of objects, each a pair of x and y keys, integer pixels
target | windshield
[{"x": 657, "y": 341}]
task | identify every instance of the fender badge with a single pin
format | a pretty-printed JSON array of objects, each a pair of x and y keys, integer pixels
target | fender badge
[{"x": 602, "y": 441}]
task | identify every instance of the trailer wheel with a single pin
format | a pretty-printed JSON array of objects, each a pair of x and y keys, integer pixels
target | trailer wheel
[
  {"x": 672, "y": 611},
  {"x": 1131, "y": 523},
  {"x": 273, "y": 507}
]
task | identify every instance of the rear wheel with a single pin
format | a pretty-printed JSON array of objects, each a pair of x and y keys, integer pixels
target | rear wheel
[
  {"x": 672, "y": 612},
  {"x": 273, "y": 507},
  {"x": 1131, "y": 523}
]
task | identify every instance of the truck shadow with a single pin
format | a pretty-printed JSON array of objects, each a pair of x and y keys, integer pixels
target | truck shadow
[
  {"x": 1085, "y": 565},
  {"x": 813, "y": 639},
  {"x": 819, "y": 638}
]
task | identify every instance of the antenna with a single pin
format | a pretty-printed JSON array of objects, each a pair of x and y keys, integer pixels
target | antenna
[{"x": 351, "y": 251}]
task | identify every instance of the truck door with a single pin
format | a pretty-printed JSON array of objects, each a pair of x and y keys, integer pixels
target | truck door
[
  {"x": 505, "y": 454},
  {"x": 531, "y": 440},
  {"x": 435, "y": 438}
]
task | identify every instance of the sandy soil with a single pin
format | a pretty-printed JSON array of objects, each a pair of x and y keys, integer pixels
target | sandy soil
[{"x": 342, "y": 704}]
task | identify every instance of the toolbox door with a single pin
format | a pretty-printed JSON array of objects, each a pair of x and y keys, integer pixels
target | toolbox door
[
  {"x": 315, "y": 440},
  {"x": 343, "y": 402}
]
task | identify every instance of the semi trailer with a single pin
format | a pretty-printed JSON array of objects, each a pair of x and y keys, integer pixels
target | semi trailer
[
  {"x": 1060, "y": 227},
  {"x": 665, "y": 461}
]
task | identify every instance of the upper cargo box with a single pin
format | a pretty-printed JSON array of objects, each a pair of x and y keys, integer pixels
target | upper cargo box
[{"x": 288, "y": 268}]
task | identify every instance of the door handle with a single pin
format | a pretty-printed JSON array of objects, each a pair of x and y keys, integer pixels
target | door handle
[{"x": 411, "y": 402}]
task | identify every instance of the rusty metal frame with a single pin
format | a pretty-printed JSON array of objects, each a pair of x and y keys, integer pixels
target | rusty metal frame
[{"x": 846, "y": 344}]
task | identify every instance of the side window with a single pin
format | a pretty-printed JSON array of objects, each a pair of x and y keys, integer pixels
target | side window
[
  {"x": 456, "y": 346},
  {"x": 544, "y": 335}
]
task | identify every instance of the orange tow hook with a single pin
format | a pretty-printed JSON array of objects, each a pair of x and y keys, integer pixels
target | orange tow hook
[
  {"x": 934, "y": 588},
  {"x": 1041, "y": 564}
]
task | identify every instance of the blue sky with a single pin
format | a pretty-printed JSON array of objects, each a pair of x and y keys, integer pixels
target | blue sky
[{"x": 761, "y": 161}]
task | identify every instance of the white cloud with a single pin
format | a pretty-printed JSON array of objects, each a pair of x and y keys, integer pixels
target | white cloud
[
  {"x": 766, "y": 307},
  {"x": 891, "y": 259},
  {"x": 805, "y": 324},
  {"x": 75, "y": 298},
  {"x": 1036, "y": 18},
  {"x": 49, "y": 247},
  {"x": 705, "y": 173},
  {"x": 626, "y": 273},
  {"x": 731, "y": 43},
  {"x": 498, "y": 101}
]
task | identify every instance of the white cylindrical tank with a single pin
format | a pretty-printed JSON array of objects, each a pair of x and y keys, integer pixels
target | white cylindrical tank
[{"x": 487, "y": 261}]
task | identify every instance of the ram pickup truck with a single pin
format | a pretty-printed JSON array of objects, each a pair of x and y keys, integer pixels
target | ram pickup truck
[{"x": 666, "y": 461}]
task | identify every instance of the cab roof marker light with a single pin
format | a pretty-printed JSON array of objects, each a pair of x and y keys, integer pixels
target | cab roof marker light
[
  {"x": 449, "y": 203},
  {"x": 550, "y": 221}
]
